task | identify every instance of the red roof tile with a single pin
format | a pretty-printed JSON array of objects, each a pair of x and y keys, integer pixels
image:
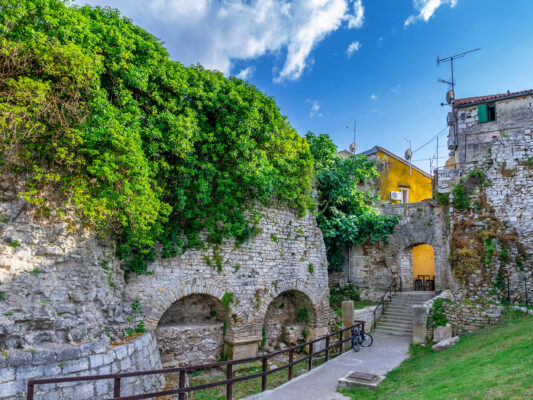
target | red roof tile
[{"x": 482, "y": 99}]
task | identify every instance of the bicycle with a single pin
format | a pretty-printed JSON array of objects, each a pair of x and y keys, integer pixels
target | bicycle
[{"x": 360, "y": 339}]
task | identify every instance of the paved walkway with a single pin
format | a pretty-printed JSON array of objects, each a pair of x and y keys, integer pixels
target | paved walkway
[{"x": 386, "y": 353}]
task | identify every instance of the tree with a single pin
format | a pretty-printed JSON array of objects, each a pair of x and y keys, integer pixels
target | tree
[{"x": 346, "y": 212}]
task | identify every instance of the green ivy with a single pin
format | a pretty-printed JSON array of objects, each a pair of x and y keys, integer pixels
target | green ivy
[
  {"x": 227, "y": 299},
  {"x": 438, "y": 318},
  {"x": 346, "y": 214},
  {"x": 146, "y": 149}
]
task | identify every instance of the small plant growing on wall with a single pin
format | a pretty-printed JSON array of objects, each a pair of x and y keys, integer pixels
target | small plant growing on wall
[
  {"x": 227, "y": 299},
  {"x": 438, "y": 317},
  {"x": 311, "y": 268},
  {"x": 302, "y": 315},
  {"x": 274, "y": 238}
]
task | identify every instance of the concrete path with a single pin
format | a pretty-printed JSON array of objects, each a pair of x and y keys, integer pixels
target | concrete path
[{"x": 386, "y": 353}]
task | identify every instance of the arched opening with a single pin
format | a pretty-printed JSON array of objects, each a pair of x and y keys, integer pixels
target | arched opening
[
  {"x": 192, "y": 330},
  {"x": 287, "y": 320},
  {"x": 417, "y": 267},
  {"x": 424, "y": 267}
]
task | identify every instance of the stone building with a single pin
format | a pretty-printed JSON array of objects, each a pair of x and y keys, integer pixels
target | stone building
[{"x": 475, "y": 121}]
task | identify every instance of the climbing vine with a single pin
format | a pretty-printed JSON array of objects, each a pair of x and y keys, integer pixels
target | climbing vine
[
  {"x": 346, "y": 214},
  {"x": 146, "y": 149}
]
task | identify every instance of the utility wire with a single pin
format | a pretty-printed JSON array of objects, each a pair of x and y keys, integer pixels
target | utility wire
[{"x": 431, "y": 140}]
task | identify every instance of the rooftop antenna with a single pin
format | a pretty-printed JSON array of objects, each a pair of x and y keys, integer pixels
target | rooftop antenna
[
  {"x": 451, "y": 95},
  {"x": 353, "y": 146}
]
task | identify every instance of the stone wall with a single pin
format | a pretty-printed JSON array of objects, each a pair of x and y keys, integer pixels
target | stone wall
[
  {"x": 287, "y": 255},
  {"x": 96, "y": 358},
  {"x": 372, "y": 266},
  {"x": 509, "y": 195},
  {"x": 60, "y": 282}
]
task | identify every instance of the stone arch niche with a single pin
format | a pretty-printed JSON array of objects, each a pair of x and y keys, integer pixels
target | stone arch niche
[
  {"x": 191, "y": 331},
  {"x": 289, "y": 318}
]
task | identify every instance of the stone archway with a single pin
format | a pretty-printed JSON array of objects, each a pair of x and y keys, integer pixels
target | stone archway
[
  {"x": 414, "y": 261},
  {"x": 289, "y": 318},
  {"x": 191, "y": 331}
]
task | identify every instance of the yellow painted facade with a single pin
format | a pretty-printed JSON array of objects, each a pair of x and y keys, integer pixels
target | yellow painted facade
[
  {"x": 397, "y": 174},
  {"x": 423, "y": 260}
]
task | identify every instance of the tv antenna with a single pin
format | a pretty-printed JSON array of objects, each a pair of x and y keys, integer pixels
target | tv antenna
[
  {"x": 450, "y": 60},
  {"x": 353, "y": 146}
]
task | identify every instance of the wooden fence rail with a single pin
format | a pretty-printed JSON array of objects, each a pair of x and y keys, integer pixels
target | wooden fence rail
[{"x": 228, "y": 382}]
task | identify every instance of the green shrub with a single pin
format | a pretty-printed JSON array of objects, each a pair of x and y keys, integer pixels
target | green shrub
[
  {"x": 141, "y": 145},
  {"x": 442, "y": 198},
  {"x": 460, "y": 197},
  {"x": 438, "y": 317}
]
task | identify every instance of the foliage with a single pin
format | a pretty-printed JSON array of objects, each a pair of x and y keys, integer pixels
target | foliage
[
  {"x": 302, "y": 315},
  {"x": 311, "y": 268},
  {"x": 144, "y": 147},
  {"x": 227, "y": 299},
  {"x": 346, "y": 214},
  {"x": 494, "y": 363},
  {"x": 442, "y": 198},
  {"x": 460, "y": 197},
  {"x": 438, "y": 317},
  {"x": 349, "y": 292}
]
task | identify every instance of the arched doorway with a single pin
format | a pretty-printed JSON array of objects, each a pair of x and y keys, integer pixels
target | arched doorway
[
  {"x": 424, "y": 267},
  {"x": 417, "y": 267},
  {"x": 191, "y": 331},
  {"x": 288, "y": 318}
]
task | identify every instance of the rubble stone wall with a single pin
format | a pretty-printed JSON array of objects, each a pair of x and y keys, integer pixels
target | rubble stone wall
[{"x": 372, "y": 266}]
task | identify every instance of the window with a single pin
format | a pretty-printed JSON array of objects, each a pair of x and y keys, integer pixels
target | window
[
  {"x": 486, "y": 113},
  {"x": 405, "y": 195}
]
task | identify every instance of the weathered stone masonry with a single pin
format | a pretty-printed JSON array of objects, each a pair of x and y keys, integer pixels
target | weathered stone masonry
[
  {"x": 92, "y": 358},
  {"x": 61, "y": 284},
  {"x": 372, "y": 266}
]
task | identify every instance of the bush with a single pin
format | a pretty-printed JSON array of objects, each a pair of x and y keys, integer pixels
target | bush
[{"x": 145, "y": 148}]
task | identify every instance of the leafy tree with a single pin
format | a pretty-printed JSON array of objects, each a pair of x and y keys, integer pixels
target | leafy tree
[
  {"x": 346, "y": 212},
  {"x": 145, "y": 148}
]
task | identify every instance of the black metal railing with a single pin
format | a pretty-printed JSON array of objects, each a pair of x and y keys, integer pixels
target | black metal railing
[
  {"x": 396, "y": 281},
  {"x": 228, "y": 382}
]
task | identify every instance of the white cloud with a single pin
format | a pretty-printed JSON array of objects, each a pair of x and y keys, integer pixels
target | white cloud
[
  {"x": 373, "y": 97},
  {"x": 315, "y": 109},
  {"x": 246, "y": 73},
  {"x": 352, "y": 48},
  {"x": 215, "y": 33},
  {"x": 396, "y": 89},
  {"x": 426, "y": 9}
]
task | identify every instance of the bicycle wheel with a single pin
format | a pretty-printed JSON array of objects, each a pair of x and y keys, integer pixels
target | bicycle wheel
[
  {"x": 355, "y": 344},
  {"x": 367, "y": 340}
]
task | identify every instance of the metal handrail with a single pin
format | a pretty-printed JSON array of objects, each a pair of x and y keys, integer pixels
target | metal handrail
[
  {"x": 388, "y": 292},
  {"x": 228, "y": 382}
]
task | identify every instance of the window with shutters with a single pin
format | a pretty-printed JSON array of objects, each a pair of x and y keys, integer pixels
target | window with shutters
[{"x": 486, "y": 113}]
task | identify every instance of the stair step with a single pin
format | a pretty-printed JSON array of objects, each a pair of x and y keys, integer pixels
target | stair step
[
  {"x": 392, "y": 333},
  {"x": 393, "y": 326},
  {"x": 396, "y": 320}
]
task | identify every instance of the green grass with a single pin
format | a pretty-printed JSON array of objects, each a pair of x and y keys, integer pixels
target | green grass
[{"x": 493, "y": 363}]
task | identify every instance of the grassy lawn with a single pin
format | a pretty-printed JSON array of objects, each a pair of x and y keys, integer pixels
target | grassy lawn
[{"x": 493, "y": 363}]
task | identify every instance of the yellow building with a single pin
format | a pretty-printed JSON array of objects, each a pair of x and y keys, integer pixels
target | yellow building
[{"x": 401, "y": 182}]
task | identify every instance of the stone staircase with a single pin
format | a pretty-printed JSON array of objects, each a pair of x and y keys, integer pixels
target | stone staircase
[{"x": 398, "y": 316}]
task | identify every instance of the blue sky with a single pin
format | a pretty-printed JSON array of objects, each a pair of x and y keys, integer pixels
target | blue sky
[{"x": 297, "y": 52}]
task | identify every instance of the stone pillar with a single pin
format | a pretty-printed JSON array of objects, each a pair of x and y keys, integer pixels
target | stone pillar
[
  {"x": 347, "y": 320},
  {"x": 420, "y": 317},
  {"x": 315, "y": 333},
  {"x": 242, "y": 347}
]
